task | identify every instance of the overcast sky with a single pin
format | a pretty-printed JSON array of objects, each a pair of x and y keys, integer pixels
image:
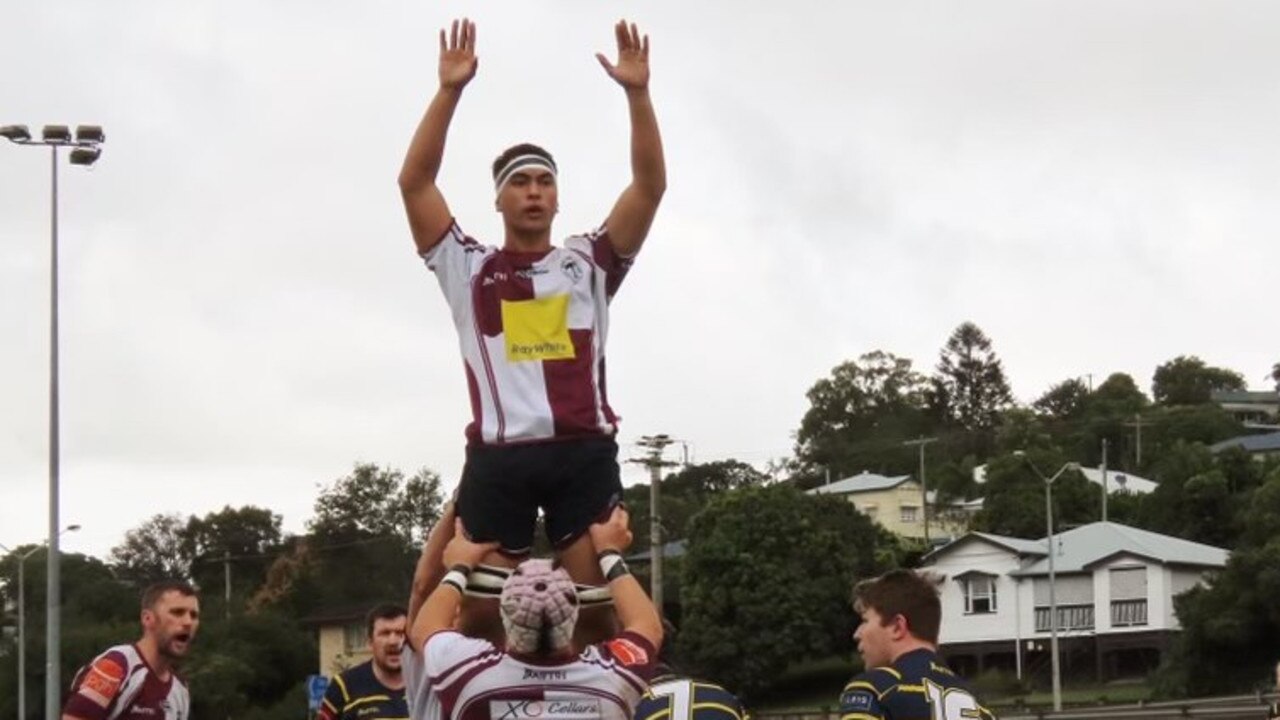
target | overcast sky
[{"x": 1092, "y": 183}]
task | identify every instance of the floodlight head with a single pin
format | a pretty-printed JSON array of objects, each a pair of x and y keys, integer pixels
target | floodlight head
[
  {"x": 85, "y": 155},
  {"x": 16, "y": 133},
  {"x": 90, "y": 134},
  {"x": 56, "y": 133},
  {"x": 73, "y": 527}
]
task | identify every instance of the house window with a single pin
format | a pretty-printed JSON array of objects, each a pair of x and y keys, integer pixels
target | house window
[
  {"x": 979, "y": 595},
  {"x": 870, "y": 510},
  {"x": 354, "y": 638},
  {"x": 910, "y": 513}
]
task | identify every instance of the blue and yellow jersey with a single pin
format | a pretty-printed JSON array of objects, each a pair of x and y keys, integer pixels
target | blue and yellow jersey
[
  {"x": 677, "y": 698},
  {"x": 356, "y": 694},
  {"x": 917, "y": 686}
]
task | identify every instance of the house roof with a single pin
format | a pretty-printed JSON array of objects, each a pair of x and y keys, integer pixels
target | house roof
[
  {"x": 1267, "y": 442},
  {"x": 1120, "y": 481},
  {"x": 862, "y": 482},
  {"x": 1116, "y": 480},
  {"x": 1014, "y": 545},
  {"x": 1080, "y": 548},
  {"x": 1262, "y": 397}
]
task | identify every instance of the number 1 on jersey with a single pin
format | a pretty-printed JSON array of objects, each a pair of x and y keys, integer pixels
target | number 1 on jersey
[{"x": 950, "y": 703}]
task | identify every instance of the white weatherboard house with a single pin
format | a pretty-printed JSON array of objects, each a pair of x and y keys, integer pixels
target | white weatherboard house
[{"x": 1114, "y": 585}]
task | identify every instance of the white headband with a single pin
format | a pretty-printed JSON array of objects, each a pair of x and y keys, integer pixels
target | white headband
[{"x": 518, "y": 163}]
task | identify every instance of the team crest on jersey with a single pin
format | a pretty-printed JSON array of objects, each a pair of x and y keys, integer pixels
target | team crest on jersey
[
  {"x": 572, "y": 268},
  {"x": 537, "y": 329},
  {"x": 627, "y": 652}
]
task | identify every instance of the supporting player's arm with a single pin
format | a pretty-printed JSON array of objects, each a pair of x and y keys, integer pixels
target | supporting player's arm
[
  {"x": 438, "y": 611},
  {"x": 429, "y": 215},
  {"x": 636, "y": 611},
  {"x": 431, "y": 567},
  {"x": 628, "y": 223}
]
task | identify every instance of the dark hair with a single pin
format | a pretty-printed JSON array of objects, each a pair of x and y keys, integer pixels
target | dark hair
[
  {"x": 383, "y": 611},
  {"x": 516, "y": 151},
  {"x": 912, "y": 595},
  {"x": 157, "y": 590}
]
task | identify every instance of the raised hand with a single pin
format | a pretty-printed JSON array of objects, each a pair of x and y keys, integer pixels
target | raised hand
[
  {"x": 612, "y": 534},
  {"x": 458, "y": 60},
  {"x": 461, "y": 550},
  {"x": 632, "y": 68}
]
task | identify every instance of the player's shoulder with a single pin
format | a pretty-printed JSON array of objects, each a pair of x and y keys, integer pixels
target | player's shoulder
[
  {"x": 703, "y": 700},
  {"x": 878, "y": 680},
  {"x": 358, "y": 679},
  {"x": 588, "y": 236},
  {"x": 124, "y": 659}
]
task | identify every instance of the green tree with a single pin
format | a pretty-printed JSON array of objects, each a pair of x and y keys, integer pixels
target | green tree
[
  {"x": 766, "y": 582},
  {"x": 1015, "y": 503},
  {"x": 1108, "y": 411},
  {"x": 97, "y": 611},
  {"x": 1164, "y": 427},
  {"x": 859, "y": 416},
  {"x": 684, "y": 494},
  {"x": 365, "y": 535},
  {"x": 155, "y": 550},
  {"x": 373, "y": 501},
  {"x": 252, "y": 660},
  {"x": 242, "y": 537},
  {"x": 1064, "y": 401},
  {"x": 1232, "y": 627},
  {"x": 969, "y": 388},
  {"x": 1187, "y": 380}
]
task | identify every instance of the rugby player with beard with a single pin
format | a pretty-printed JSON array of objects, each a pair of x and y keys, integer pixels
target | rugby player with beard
[
  {"x": 372, "y": 690},
  {"x": 132, "y": 682}
]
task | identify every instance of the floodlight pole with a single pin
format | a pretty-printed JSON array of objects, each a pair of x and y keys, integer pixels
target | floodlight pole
[{"x": 85, "y": 152}]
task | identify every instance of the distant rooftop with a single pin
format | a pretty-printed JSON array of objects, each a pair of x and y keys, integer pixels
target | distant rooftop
[
  {"x": 862, "y": 482},
  {"x": 1261, "y": 397},
  {"x": 1117, "y": 481},
  {"x": 1267, "y": 442},
  {"x": 1081, "y": 547}
]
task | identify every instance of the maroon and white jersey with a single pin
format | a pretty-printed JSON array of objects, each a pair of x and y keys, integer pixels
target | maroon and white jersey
[
  {"x": 532, "y": 329},
  {"x": 464, "y": 678},
  {"x": 119, "y": 685}
]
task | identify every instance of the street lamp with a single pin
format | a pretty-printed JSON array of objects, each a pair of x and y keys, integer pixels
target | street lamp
[
  {"x": 1053, "y": 598},
  {"x": 22, "y": 621},
  {"x": 85, "y": 150}
]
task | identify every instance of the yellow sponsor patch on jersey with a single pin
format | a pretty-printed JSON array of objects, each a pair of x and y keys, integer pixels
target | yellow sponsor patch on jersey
[{"x": 537, "y": 329}]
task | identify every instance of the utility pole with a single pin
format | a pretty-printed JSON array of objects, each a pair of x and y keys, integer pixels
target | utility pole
[
  {"x": 226, "y": 584},
  {"x": 1104, "y": 479},
  {"x": 655, "y": 444},
  {"x": 924, "y": 488},
  {"x": 1137, "y": 426}
]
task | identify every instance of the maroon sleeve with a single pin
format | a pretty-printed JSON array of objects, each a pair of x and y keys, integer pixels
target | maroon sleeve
[
  {"x": 97, "y": 686},
  {"x": 604, "y": 257},
  {"x": 634, "y": 652}
]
